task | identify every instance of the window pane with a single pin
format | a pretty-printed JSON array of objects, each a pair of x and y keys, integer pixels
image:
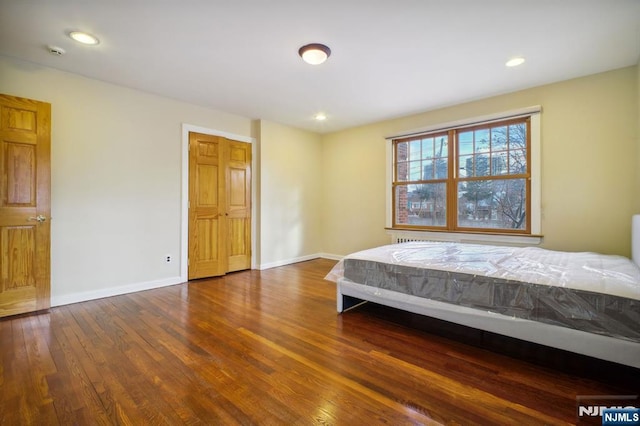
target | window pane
[
  {"x": 415, "y": 153},
  {"x": 427, "y": 148},
  {"x": 499, "y": 138},
  {"x": 441, "y": 167},
  {"x": 517, "y": 136},
  {"x": 499, "y": 164},
  {"x": 517, "y": 161},
  {"x": 494, "y": 204},
  {"x": 402, "y": 151},
  {"x": 465, "y": 143},
  {"x": 435, "y": 169},
  {"x": 415, "y": 170},
  {"x": 423, "y": 205},
  {"x": 428, "y": 170},
  {"x": 442, "y": 146},
  {"x": 466, "y": 166},
  {"x": 402, "y": 167},
  {"x": 481, "y": 165},
  {"x": 402, "y": 171},
  {"x": 401, "y": 205},
  {"x": 482, "y": 140}
]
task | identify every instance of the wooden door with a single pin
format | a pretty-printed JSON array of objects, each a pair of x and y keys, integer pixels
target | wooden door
[
  {"x": 238, "y": 187},
  {"x": 219, "y": 206},
  {"x": 206, "y": 206},
  {"x": 25, "y": 127}
]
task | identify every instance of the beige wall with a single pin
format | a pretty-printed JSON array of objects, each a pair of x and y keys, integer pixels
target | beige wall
[
  {"x": 353, "y": 165},
  {"x": 290, "y": 194},
  {"x": 589, "y": 154},
  {"x": 116, "y": 174}
]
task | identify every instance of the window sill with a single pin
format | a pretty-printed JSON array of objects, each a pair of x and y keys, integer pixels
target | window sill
[{"x": 403, "y": 235}]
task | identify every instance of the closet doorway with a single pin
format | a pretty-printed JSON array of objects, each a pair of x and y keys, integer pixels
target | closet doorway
[{"x": 219, "y": 206}]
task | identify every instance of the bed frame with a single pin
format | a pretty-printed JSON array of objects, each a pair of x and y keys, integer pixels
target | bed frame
[{"x": 351, "y": 294}]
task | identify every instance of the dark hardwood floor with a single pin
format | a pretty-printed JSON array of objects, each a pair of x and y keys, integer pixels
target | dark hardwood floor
[{"x": 267, "y": 347}]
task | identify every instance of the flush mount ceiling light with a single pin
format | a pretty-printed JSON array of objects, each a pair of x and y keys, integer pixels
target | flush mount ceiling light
[
  {"x": 320, "y": 116},
  {"x": 314, "y": 53},
  {"x": 514, "y": 62},
  {"x": 84, "y": 38}
]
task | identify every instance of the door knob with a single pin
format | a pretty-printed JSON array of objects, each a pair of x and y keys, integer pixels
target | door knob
[{"x": 40, "y": 218}]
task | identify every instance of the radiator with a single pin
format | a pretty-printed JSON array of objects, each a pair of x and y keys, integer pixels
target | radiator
[
  {"x": 405, "y": 236},
  {"x": 397, "y": 239}
]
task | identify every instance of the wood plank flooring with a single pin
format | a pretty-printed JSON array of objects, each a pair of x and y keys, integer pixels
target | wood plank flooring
[{"x": 267, "y": 348}]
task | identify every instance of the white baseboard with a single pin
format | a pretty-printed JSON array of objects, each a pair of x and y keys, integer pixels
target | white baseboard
[
  {"x": 288, "y": 261},
  {"x": 83, "y": 296},
  {"x": 300, "y": 259},
  {"x": 331, "y": 256}
]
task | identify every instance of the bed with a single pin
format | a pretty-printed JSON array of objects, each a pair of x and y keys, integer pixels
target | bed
[{"x": 585, "y": 303}]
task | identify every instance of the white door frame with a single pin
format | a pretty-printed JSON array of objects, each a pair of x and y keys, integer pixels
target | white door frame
[{"x": 184, "y": 198}]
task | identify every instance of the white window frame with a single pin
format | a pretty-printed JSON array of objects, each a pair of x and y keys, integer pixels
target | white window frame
[{"x": 536, "y": 203}]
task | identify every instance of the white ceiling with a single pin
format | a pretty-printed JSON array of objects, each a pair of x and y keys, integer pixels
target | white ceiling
[{"x": 390, "y": 58}]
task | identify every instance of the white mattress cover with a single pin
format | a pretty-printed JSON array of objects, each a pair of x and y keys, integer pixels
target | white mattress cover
[{"x": 609, "y": 274}]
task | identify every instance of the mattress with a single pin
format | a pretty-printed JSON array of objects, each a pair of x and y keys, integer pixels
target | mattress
[{"x": 584, "y": 291}]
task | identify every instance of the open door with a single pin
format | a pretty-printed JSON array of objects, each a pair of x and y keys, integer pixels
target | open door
[{"x": 25, "y": 203}]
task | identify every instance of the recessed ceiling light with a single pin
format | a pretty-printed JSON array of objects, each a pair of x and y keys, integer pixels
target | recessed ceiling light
[
  {"x": 314, "y": 53},
  {"x": 514, "y": 62},
  {"x": 84, "y": 38},
  {"x": 320, "y": 116}
]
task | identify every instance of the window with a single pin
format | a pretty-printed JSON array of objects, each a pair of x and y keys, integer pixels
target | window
[{"x": 471, "y": 178}]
